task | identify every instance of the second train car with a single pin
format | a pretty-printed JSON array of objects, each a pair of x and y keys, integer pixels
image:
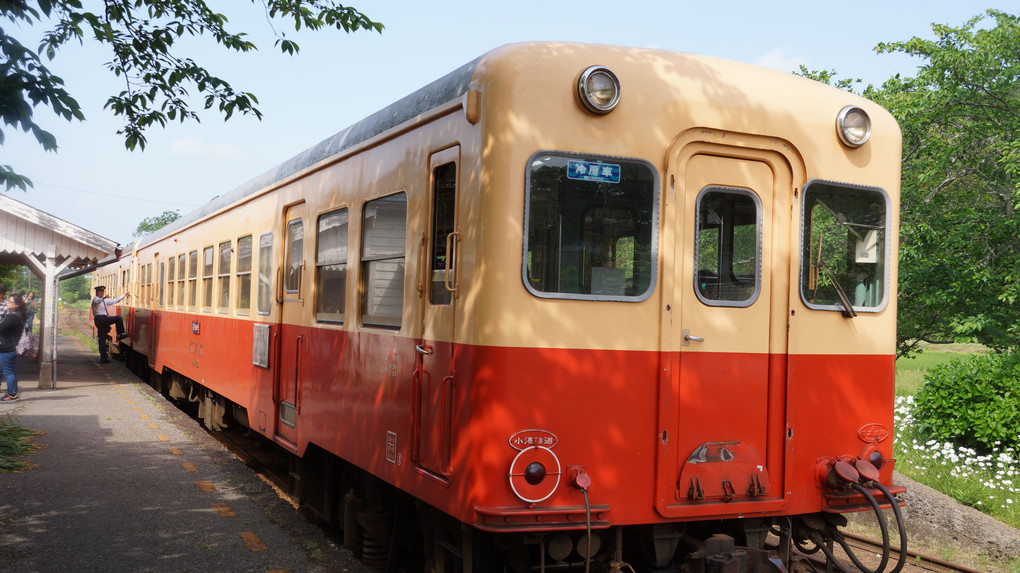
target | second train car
[{"x": 567, "y": 306}]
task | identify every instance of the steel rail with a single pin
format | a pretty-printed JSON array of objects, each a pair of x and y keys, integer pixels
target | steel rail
[{"x": 915, "y": 563}]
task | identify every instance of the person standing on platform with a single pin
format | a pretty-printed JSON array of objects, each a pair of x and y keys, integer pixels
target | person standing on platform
[
  {"x": 12, "y": 325},
  {"x": 31, "y": 309},
  {"x": 102, "y": 319}
]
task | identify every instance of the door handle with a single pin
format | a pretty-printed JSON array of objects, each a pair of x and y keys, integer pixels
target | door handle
[
  {"x": 423, "y": 349},
  {"x": 688, "y": 338},
  {"x": 451, "y": 242}
]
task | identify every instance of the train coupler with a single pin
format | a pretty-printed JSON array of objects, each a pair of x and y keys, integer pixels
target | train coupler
[{"x": 720, "y": 555}]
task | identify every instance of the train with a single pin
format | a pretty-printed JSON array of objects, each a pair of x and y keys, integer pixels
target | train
[{"x": 568, "y": 307}]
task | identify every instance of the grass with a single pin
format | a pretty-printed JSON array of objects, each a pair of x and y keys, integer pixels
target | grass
[
  {"x": 988, "y": 481},
  {"x": 910, "y": 371},
  {"x": 15, "y": 442},
  {"x": 89, "y": 342}
]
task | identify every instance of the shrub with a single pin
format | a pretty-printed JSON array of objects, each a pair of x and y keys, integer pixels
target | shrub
[{"x": 973, "y": 402}]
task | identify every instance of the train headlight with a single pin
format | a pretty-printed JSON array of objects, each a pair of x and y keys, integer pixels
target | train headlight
[
  {"x": 599, "y": 90},
  {"x": 853, "y": 126}
]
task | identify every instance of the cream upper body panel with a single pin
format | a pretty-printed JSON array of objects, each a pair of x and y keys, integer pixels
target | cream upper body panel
[
  {"x": 519, "y": 100},
  {"x": 529, "y": 104}
]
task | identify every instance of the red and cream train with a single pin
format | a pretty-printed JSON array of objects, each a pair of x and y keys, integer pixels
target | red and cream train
[{"x": 581, "y": 304}]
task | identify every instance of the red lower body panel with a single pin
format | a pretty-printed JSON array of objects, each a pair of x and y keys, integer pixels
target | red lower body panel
[{"x": 462, "y": 440}]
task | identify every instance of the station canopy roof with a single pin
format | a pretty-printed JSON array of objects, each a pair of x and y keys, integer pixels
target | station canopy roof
[{"x": 27, "y": 231}]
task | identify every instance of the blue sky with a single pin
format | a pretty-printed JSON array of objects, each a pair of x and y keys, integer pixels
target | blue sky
[{"x": 337, "y": 79}]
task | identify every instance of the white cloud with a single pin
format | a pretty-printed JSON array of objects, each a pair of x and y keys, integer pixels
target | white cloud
[{"x": 778, "y": 59}]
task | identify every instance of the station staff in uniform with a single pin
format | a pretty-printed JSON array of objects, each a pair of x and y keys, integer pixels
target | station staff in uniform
[{"x": 103, "y": 320}]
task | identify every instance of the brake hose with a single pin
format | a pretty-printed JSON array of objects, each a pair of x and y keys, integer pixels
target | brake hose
[
  {"x": 900, "y": 525},
  {"x": 886, "y": 542},
  {"x": 587, "y": 515},
  {"x": 880, "y": 517},
  {"x": 820, "y": 544}
]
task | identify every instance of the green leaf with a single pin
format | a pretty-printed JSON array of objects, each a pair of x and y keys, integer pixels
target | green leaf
[{"x": 140, "y": 37}]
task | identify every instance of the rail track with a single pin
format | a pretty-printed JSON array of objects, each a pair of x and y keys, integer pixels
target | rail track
[
  {"x": 76, "y": 320},
  {"x": 259, "y": 455},
  {"x": 869, "y": 552}
]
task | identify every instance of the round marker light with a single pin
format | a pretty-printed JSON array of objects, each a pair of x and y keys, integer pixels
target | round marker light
[
  {"x": 599, "y": 90},
  {"x": 853, "y": 126},
  {"x": 534, "y": 473},
  {"x": 877, "y": 459},
  {"x": 530, "y": 474}
]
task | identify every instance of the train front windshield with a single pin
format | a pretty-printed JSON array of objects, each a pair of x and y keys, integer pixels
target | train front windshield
[
  {"x": 592, "y": 227},
  {"x": 845, "y": 246}
]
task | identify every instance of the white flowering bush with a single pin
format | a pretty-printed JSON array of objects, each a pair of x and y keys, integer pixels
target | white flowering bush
[{"x": 988, "y": 481}]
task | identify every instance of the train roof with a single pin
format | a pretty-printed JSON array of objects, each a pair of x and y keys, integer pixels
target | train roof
[{"x": 447, "y": 88}]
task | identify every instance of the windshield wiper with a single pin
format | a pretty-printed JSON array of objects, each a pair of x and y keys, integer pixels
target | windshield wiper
[{"x": 848, "y": 311}]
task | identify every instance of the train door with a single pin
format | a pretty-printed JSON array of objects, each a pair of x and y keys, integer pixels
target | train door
[
  {"x": 724, "y": 419},
  {"x": 288, "y": 375},
  {"x": 434, "y": 375},
  {"x": 156, "y": 315}
]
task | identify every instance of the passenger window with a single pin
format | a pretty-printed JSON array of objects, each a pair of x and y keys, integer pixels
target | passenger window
[
  {"x": 592, "y": 227},
  {"x": 193, "y": 279},
  {"x": 384, "y": 226},
  {"x": 728, "y": 247},
  {"x": 223, "y": 276},
  {"x": 148, "y": 285},
  {"x": 171, "y": 273},
  {"x": 845, "y": 246},
  {"x": 180, "y": 280},
  {"x": 265, "y": 273},
  {"x": 244, "y": 274},
  {"x": 295, "y": 252},
  {"x": 331, "y": 266},
  {"x": 162, "y": 281},
  {"x": 207, "y": 278}
]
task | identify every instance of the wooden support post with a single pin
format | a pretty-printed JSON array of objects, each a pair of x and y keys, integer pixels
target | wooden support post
[{"x": 49, "y": 267}]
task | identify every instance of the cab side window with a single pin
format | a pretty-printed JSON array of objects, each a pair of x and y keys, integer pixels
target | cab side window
[
  {"x": 295, "y": 252},
  {"x": 444, "y": 204}
]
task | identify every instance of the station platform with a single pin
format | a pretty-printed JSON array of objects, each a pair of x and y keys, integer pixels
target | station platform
[{"x": 124, "y": 481}]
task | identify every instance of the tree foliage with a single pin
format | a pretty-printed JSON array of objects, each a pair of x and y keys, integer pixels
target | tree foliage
[
  {"x": 141, "y": 36},
  {"x": 959, "y": 237},
  {"x": 959, "y": 273},
  {"x": 151, "y": 224},
  {"x": 9, "y": 276},
  {"x": 75, "y": 289}
]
